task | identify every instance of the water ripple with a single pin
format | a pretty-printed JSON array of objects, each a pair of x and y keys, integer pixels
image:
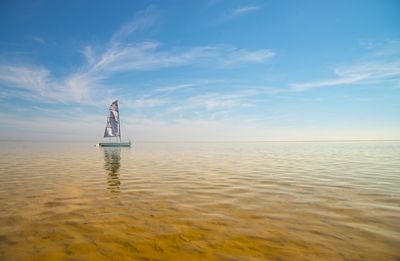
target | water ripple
[{"x": 205, "y": 201}]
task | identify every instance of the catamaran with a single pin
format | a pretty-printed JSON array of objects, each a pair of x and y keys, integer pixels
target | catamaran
[{"x": 113, "y": 129}]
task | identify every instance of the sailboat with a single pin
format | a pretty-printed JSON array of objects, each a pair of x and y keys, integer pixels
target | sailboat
[{"x": 113, "y": 129}]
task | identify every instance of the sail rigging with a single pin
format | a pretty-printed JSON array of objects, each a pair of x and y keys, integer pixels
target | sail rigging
[{"x": 113, "y": 128}]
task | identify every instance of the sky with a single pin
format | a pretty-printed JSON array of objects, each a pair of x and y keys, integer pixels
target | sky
[{"x": 201, "y": 70}]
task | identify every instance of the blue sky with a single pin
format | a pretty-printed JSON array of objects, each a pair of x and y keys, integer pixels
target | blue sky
[{"x": 201, "y": 70}]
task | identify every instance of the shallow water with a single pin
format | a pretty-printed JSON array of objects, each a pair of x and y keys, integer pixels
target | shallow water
[{"x": 200, "y": 201}]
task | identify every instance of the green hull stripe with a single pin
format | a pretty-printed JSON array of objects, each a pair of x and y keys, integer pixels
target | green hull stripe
[{"x": 114, "y": 144}]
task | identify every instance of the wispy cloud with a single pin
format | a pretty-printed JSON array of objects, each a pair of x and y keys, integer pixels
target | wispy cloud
[
  {"x": 366, "y": 73},
  {"x": 36, "y": 83},
  {"x": 379, "y": 49},
  {"x": 210, "y": 101},
  {"x": 24, "y": 77},
  {"x": 245, "y": 9},
  {"x": 332, "y": 82},
  {"x": 85, "y": 84},
  {"x": 172, "y": 88},
  {"x": 243, "y": 55},
  {"x": 372, "y": 70},
  {"x": 381, "y": 65},
  {"x": 239, "y": 11},
  {"x": 215, "y": 101},
  {"x": 145, "y": 103},
  {"x": 188, "y": 86},
  {"x": 81, "y": 85},
  {"x": 142, "y": 20},
  {"x": 149, "y": 56},
  {"x": 39, "y": 39}
]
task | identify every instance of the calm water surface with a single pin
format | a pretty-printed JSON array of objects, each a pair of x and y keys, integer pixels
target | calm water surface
[{"x": 200, "y": 201}]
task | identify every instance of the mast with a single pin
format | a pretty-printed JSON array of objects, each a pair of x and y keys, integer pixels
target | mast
[{"x": 119, "y": 125}]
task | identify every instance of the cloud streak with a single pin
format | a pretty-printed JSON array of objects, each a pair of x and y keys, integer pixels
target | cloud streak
[
  {"x": 239, "y": 11},
  {"x": 36, "y": 83},
  {"x": 82, "y": 85},
  {"x": 173, "y": 88},
  {"x": 149, "y": 56},
  {"x": 85, "y": 84},
  {"x": 365, "y": 73},
  {"x": 332, "y": 82},
  {"x": 244, "y": 10},
  {"x": 142, "y": 20},
  {"x": 381, "y": 65},
  {"x": 212, "y": 102}
]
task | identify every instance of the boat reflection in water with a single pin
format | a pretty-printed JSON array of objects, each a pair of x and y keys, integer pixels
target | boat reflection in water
[{"x": 112, "y": 158}]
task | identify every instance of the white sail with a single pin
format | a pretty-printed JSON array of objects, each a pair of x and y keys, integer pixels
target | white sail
[{"x": 112, "y": 127}]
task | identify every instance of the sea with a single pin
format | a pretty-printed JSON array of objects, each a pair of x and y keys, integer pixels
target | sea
[{"x": 200, "y": 201}]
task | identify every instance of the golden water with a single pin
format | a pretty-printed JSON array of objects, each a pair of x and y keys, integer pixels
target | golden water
[{"x": 200, "y": 201}]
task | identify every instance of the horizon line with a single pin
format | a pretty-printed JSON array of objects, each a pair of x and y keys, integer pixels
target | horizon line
[{"x": 210, "y": 141}]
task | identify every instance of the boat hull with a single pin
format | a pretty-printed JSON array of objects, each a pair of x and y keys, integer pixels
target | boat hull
[{"x": 114, "y": 144}]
